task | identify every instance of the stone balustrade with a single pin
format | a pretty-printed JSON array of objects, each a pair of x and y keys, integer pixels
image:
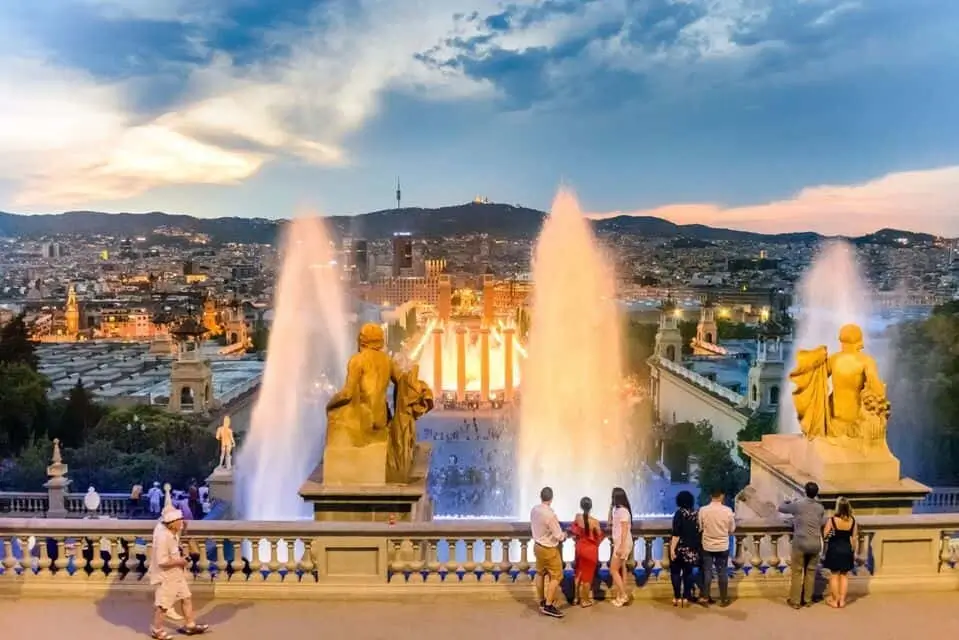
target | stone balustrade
[
  {"x": 37, "y": 504},
  {"x": 940, "y": 500},
  {"x": 736, "y": 399},
  {"x": 247, "y": 560}
]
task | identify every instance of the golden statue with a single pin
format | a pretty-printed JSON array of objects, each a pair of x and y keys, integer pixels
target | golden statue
[
  {"x": 412, "y": 399},
  {"x": 856, "y": 408},
  {"x": 358, "y": 414}
]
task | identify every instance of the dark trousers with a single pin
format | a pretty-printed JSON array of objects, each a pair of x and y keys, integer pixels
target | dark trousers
[
  {"x": 682, "y": 577},
  {"x": 716, "y": 562}
]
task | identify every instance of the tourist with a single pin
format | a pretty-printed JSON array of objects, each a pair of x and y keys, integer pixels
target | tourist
[
  {"x": 807, "y": 516},
  {"x": 136, "y": 494},
  {"x": 621, "y": 529},
  {"x": 840, "y": 558},
  {"x": 588, "y": 535},
  {"x": 717, "y": 523},
  {"x": 155, "y": 494},
  {"x": 168, "y": 575},
  {"x": 548, "y": 538},
  {"x": 685, "y": 546}
]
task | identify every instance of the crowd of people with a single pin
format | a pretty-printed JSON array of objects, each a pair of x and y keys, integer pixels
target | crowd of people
[
  {"x": 194, "y": 502},
  {"x": 698, "y": 549}
]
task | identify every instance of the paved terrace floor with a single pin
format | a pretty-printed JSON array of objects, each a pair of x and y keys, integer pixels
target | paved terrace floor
[{"x": 881, "y": 617}]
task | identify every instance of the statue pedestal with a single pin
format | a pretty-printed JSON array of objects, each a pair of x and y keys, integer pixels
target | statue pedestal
[
  {"x": 781, "y": 464},
  {"x": 221, "y": 489},
  {"x": 354, "y": 465},
  {"x": 364, "y": 501}
]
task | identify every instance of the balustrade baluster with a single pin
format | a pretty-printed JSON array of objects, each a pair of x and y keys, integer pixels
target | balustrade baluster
[
  {"x": 397, "y": 564},
  {"x": 236, "y": 566},
  {"x": 665, "y": 560},
  {"x": 432, "y": 560},
  {"x": 451, "y": 563},
  {"x": 526, "y": 549},
  {"x": 133, "y": 561},
  {"x": 739, "y": 559},
  {"x": 274, "y": 565},
  {"x": 469, "y": 566},
  {"x": 649, "y": 563},
  {"x": 96, "y": 563},
  {"x": 307, "y": 566},
  {"x": 756, "y": 560},
  {"x": 290, "y": 566},
  {"x": 203, "y": 564},
  {"x": 504, "y": 564},
  {"x": 10, "y": 563},
  {"x": 774, "y": 560},
  {"x": 113, "y": 557},
  {"x": 221, "y": 563}
]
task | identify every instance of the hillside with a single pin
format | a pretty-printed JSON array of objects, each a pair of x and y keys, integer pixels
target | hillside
[{"x": 499, "y": 220}]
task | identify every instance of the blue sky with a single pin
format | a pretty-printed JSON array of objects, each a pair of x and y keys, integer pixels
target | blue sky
[{"x": 833, "y": 115}]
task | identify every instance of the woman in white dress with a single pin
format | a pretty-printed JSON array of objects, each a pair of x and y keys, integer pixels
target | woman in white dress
[{"x": 621, "y": 539}]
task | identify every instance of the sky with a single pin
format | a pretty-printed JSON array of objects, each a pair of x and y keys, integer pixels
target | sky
[{"x": 837, "y": 116}]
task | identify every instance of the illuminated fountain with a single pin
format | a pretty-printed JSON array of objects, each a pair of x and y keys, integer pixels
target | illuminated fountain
[
  {"x": 574, "y": 434},
  {"x": 469, "y": 355},
  {"x": 307, "y": 348},
  {"x": 832, "y": 293}
]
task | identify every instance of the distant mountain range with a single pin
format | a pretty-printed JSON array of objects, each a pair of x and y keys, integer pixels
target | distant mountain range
[{"x": 500, "y": 220}]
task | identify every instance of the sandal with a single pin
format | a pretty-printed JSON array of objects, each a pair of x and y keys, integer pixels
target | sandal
[
  {"x": 195, "y": 629},
  {"x": 160, "y": 634}
]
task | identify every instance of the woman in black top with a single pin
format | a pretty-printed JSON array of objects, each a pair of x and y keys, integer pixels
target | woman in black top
[
  {"x": 684, "y": 549},
  {"x": 840, "y": 556}
]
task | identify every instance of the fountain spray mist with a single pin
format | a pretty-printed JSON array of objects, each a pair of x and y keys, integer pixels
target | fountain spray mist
[
  {"x": 573, "y": 432},
  {"x": 832, "y": 292},
  {"x": 307, "y": 350}
]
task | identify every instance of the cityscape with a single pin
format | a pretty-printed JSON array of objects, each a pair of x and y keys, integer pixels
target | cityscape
[{"x": 535, "y": 317}]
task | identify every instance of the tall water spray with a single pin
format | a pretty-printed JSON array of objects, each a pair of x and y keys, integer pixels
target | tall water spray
[
  {"x": 832, "y": 292},
  {"x": 573, "y": 433},
  {"x": 306, "y": 355}
]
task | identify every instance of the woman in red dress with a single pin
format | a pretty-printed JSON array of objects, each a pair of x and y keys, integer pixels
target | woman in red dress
[{"x": 588, "y": 535}]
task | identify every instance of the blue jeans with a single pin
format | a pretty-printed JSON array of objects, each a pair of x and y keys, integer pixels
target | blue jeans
[{"x": 716, "y": 562}]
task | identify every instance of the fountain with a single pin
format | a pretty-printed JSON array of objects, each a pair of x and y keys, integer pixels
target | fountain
[
  {"x": 309, "y": 342},
  {"x": 574, "y": 433},
  {"x": 832, "y": 293}
]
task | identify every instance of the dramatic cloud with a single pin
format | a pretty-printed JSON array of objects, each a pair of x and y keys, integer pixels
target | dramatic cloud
[{"x": 924, "y": 201}]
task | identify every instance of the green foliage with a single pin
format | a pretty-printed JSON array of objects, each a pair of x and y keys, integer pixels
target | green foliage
[
  {"x": 259, "y": 339},
  {"x": 687, "y": 329},
  {"x": 640, "y": 339},
  {"x": 736, "y": 330},
  {"x": 23, "y": 406},
  {"x": 15, "y": 344},
  {"x": 717, "y": 466},
  {"x": 29, "y": 471},
  {"x": 758, "y": 425},
  {"x": 77, "y": 416}
]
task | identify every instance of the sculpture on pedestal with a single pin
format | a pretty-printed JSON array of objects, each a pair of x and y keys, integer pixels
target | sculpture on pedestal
[
  {"x": 358, "y": 414},
  {"x": 856, "y": 409},
  {"x": 224, "y": 435}
]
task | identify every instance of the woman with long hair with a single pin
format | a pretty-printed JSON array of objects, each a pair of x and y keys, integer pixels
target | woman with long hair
[
  {"x": 685, "y": 546},
  {"x": 588, "y": 535},
  {"x": 840, "y": 556},
  {"x": 621, "y": 525}
]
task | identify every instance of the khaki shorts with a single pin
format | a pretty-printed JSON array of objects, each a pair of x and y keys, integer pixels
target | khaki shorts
[
  {"x": 170, "y": 592},
  {"x": 549, "y": 561}
]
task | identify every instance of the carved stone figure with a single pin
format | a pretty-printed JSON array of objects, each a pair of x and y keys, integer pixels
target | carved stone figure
[
  {"x": 224, "y": 434},
  {"x": 358, "y": 415},
  {"x": 412, "y": 399},
  {"x": 856, "y": 406}
]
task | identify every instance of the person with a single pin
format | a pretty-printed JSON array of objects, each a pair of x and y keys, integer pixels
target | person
[
  {"x": 155, "y": 495},
  {"x": 168, "y": 574},
  {"x": 588, "y": 535},
  {"x": 136, "y": 494},
  {"x": 685, "y": 544},
  {"x": 548, "y": 537},
  {"x": 807, "y": 515},
  {"x": 717, "y": 523},
  {"x": 840, "y": 557},
  {"x": 621, "y": 529}
]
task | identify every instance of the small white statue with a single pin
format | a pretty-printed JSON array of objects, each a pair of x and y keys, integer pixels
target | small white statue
[{"x": 224, "y": 434}]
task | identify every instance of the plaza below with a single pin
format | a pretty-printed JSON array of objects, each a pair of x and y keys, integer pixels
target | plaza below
[{"x": 465, "y": 559}]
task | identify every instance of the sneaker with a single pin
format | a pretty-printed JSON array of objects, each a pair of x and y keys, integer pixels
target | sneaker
[
  {"x": 619, "y": 601},
  {"x": 552, "y": 611},
  {"x": 725, "y": 602},
  {"x": 542, "y": 606}
]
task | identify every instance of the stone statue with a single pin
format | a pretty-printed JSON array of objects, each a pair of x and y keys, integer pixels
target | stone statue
[
  {"x": 224, "y": 434},
  {"x": 358, "y": 414},
  {"x": 412, "y": 399},
  {"x": 856, "y": 408}
]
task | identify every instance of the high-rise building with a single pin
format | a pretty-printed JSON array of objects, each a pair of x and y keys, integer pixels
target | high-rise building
[
  {"x": 361, "y": 260},
  {"x": 402, "y": 254}
]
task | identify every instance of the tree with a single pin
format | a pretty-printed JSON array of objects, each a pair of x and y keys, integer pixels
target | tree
[
  {"x": 717, "y": 467},
  {"x": 758, "y": 425},
  {"x": 79, "y": 415},
  {"x": 15, "y": 344},
  {"x": 23, "y": 406},
  {"x": 640, "y": 344}
]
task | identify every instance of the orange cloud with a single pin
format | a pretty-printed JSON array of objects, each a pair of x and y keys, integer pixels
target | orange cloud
[{"x": 925, "y": 201}]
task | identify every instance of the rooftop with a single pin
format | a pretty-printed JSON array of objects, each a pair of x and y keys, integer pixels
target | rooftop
[{"x": 127, "y": 369}]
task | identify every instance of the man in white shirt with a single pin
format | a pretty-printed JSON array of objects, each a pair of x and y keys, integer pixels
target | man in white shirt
[
  {"x": 167, "y": 573},
  {"x": 548, "y": 538},
  {"x": 717, "y": 523}
]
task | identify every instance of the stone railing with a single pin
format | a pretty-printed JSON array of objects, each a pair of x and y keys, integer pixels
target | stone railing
[
  {"x": 247, "y": 560},
  {"x": 710, "y": 347},
  {"x": 941, "y": 500},
  {"x": 36, "y": 504},
  {"x": 736, "y": 399}
]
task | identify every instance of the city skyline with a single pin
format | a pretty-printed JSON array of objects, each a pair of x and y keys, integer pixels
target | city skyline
[{"x": 823, "y": 115}]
